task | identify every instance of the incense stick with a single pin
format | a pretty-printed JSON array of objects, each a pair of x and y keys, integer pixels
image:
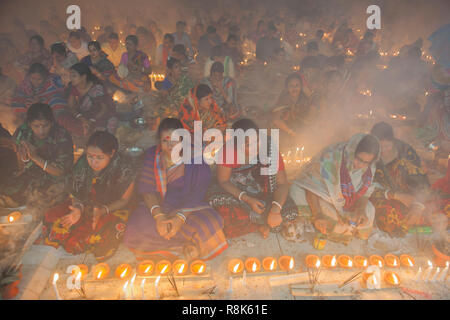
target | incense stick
[{"x": 351, "y": 279}]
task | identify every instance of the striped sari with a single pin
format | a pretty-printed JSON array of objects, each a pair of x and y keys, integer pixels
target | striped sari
[{"x": 179, "y": 188}]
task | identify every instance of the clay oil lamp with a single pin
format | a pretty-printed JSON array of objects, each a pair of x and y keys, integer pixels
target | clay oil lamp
[
  {"x": 345, "y": 261},
  {"x": 84, "y": 270},
  {"x": 329, "y": 261},
  {"x": 163, "y": 267},
  {"x": 269, "y": 264},
  {"x": 123, "y": 271},
  {"x": 235, "y": 266},
  {"x": 286, "y": 263},
  {"x": 198, "y": 267},
  {"x": 360, "y": 261},
  {"x": 252, "y": 265},
  {"x": 391, "y": 261},
  {"x": 146, "y": 268},
  {"x": 407, "y": 261},
  {"x": 312, "y": 261},
  {"x": 180, "y": 267},
  {"x": 391, "y": 278},
  {"x": 376, "y": 260},
  {"x": 100, "y": 271}
]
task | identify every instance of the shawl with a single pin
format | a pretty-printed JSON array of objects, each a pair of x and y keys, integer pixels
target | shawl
[{"x": 329, "y": 175}]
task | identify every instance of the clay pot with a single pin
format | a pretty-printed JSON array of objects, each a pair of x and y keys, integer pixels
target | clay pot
[{"x": 440, "y": 258}]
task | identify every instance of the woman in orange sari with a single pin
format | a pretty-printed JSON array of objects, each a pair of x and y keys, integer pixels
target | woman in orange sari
[{"x": 201, "y": 106}]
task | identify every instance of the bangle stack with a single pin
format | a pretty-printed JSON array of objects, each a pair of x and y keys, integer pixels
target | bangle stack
[
  {"x": 181, "y": 216},
  {"x": 241, "y": 194}
]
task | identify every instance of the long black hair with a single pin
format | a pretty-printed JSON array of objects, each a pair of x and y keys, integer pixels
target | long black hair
[
  {"x": 168, "y": 124},
  {"x": 103, "y": 140},
  {"x": 39, "y": 68},
  {"x": 83, "y": 69},
  {"x": 369, "y": 144},
  {"x": 40, "y": 111}
]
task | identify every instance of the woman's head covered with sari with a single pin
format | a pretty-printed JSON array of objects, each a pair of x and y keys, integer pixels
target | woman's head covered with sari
[
  {"x": 37, "y": 74},
  {"x": 40, "y": 119}
]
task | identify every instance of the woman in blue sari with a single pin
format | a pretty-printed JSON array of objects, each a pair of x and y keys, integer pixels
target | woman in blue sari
[{"x": 174, "y": 218}]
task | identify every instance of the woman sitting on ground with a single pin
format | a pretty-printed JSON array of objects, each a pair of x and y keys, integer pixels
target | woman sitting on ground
[
  {"x": 45, "y": 151},
  {"x": 174, "y": 218},
  {"x": 334, "y": 189},
  {"x": 405, "y": 189},
  {"x": 224, "y": 90},
  {"x": 247, "y": 200},
  {"x": 93, "y": 218},
  {"x": 98, "y": 62}
]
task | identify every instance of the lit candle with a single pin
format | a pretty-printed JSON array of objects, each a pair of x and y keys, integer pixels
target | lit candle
[
  {"x": 132, "y": 285},
  {"x": 124, "y": 290},
  {"x": 123, "y": 271},
  {"x": 235, "y": 266},
  {"x": 142, "y": 289},
  {"x": 14, "y": 217},
  {"x": 156, "y": 287},
  {"x": 428, "y": 272},
  {"x": 55, "y": 279},
  {"x": 444, "y": 272},
  {"x": 100, "y": 271},
  {"x": 418, "y": 274},
  {"x": 272, "y": 264},
  {"x": 291, "y": 263},
  {"x": 145, "y": 268},
  {"x": 406, "y": 260},
  {"x": 435, "y": 274},
  {"x": 198, "y": 267},
  {"x": 269, "y": 264}
]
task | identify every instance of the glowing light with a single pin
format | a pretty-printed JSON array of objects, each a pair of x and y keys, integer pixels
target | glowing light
[
  {"x": 181, "y": 268},
  {"x": 147, "y": 269},
  {"x": 394, "y": 263},
  {"x": 380, "y": 263},
  {"x": 78, "y": 276},
  {"x": 236, "y": 267},
  {"x": 317, "y": 263},
  {"x": 99, "y": 274},
  {"x": 254, "y": 267},
  {"x": 124, "y": 273},
  {"x": 350, "y": 263},
  {"x": 164, "y": 269},
  {"x": 11, "y": 219},
  {"x": 291, "y": 263},
  {"x": 132, "y": 279},
  {"x": 394, "y": 278},
  {"x": 55, "y": 277},
  {"x": 430, "y": 264},
  {"x": 365, "y": 263},
  {"x": 410, "y": 262},
  {"x": 272, "y": 264},
  {"x": 200, "y": 270},
  {"x": 333, "y": 261}
]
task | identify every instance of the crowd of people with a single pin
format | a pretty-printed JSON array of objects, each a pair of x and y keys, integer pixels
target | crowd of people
[{"x": 63, "y": 95}]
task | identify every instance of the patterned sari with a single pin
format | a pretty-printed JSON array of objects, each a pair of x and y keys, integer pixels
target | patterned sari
[
  {"x": 92, "y": 190},
  {"x": 33, "y": 186},
  {"x": 103, "y": 65},
  {"x": 132, "y": 82},
  {"x": 403, "y": 174},
  {"x": 230, "y": 88},
  {"x": 213, "y": 117},
  {"x": 239, "y": 217},
  {"x": 180, "y": 188},
  {"x": 339, "y": 188}
]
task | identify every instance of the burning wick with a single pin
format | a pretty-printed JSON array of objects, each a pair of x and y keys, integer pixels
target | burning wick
[
  {"x": 254, "y": 267},
  {"x": 365, "y": 263},
  {"x": 11, "y": 219},
  {"x": 350, "y": 263},
  {"x": 55, "y": 279},
  {"x": 291, "y": 263},
  {"x": 200, "y": 270},
  {"x": 333, "y": 261},
  {"x": 181, "y": 269},
  {"x": 272, "y": 264},
  {"x": 147, "y": 269},
  {"x": 164, "y": 269},
  {"x": 380, "y": 263},
  {"x": 236, "y": 267},
  {"x": 99, "y": 274},
  {"x": 124, "y": 273},
  {"x": 409, "y": 262},
  {"x": 317, "y": 263}
]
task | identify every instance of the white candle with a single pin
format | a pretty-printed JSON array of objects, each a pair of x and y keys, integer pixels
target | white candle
[
  {"x": 444, "y": 273},
  {"x": 55, "y": 279},
  {"x": 132, "y": 286},
  {"x": 156, "y": 287},
  {"x": 230, "y": 287},
  {"x": 435, "y": 274},
  {"x": 124, "y": 289},
  {"x": 428, "y": 272},
  {"x": 418, "y": 274},
  {"x": 142, "y": 289}
]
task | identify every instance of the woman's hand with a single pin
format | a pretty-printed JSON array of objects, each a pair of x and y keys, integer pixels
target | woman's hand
[
  {"x": 30, "y": 150},
  {"x": 274, "y": 218},
  {"x": 73, "y": 217},
  {"x": 97, "y": 213},
  {"x": 321, "y": 225},
  {"x": 173, "y": 225},
  {"x": 160, "y": 226},
  {"x": 255, "y": 204}
]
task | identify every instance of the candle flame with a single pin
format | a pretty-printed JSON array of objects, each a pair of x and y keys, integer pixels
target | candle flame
[
  {"x": 409, "y": 262},
  {"x": 317, "y": 263},
  {"x": 254, "y": 267},
  {"x": 181, "y": 269},
  {"x": 165, "y": 268},
  {"x": 350, "y": 263},
  {"x": 11, "y": 219},
  {"x": 272, "y": 264},
  {"x": 395, "y": 263},
  {"x": 447, "y": 264},
  {"x": 125, "y": 285},
  {"x": 78, "y": 276},
  {"x": 236, "y": 267},
  {"x": 99, "y": 274},
  {"x": 132, "y": 279},
  {"x": 394, "y": 278},
  {"x": 333, "y": 261},
  {"x": 291, "y": 263},
  {"x": 55, "y": 277},
  {"x": 200, "y": 270},
  {"x": 430, "y": 264},
  {"x": 380, "y": 263},
  {"x": 147, "y": 269},
  {"x": 124, "y": 272},
  {"x": 365, "y": 263}
]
